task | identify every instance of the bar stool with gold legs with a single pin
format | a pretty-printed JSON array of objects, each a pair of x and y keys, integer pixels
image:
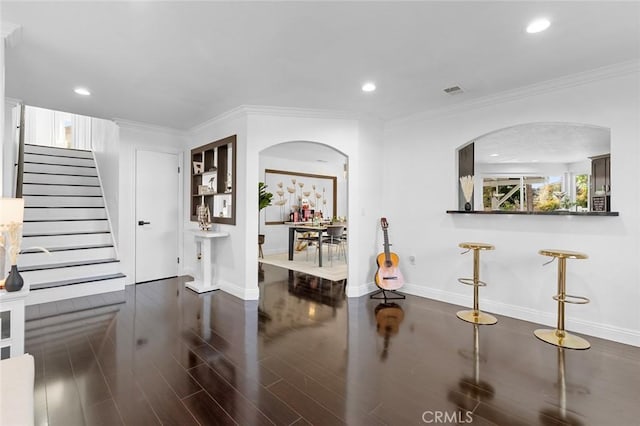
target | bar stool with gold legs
[
  {"x": 559, "y": 336},
  {"x": 475, "y": 316}
]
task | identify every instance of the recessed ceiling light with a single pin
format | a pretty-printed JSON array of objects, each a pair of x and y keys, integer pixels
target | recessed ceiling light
[
  {"x": 368, "y": 87},
  {"x": 82, "y": 91},
  {"x": 538, "y": 25},
  {"x": 493, "y": 155}
]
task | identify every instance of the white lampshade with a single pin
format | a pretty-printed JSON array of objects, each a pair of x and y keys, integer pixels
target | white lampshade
[{"x": 11, "y": 210}]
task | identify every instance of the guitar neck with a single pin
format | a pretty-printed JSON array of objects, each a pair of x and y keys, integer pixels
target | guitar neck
[{"x": 387, "y": 253}]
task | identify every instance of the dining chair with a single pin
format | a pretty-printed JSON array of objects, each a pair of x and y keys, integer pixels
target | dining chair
[
  {"x": 306, "y": 239},
  {"x": 335, "y": 237}
]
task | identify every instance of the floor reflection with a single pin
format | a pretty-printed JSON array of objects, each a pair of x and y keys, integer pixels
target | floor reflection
[
  {"x": 472, "y": 389},
  {"x": 389, "y": 316},
  {"x": 299, "y": 301},
  {"x": 560, "y": 413},
  {"x": 321, "y": 290}
]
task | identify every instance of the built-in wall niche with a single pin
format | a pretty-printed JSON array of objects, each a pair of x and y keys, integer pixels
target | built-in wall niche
[
  {"x": 213, "y": 180},
  {"x": 538, "y": 168}
]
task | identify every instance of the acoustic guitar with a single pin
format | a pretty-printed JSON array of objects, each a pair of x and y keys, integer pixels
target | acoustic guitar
[{"x": 388, "y": 276}]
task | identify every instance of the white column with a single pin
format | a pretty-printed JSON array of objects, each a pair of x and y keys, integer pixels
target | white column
[
  {"x": 205, "y": 238},
  {"x": 11, "y": 34}
]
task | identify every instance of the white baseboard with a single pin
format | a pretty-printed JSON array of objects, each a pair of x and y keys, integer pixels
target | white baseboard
[
  {"x": 239, "y": 291},
  {"x": 229, "y": 287},
  {"x": 590, "y": 328},
  {"x": 360, "y": 290}
]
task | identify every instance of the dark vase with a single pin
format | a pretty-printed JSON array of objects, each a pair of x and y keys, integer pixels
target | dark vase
[
  {"x": 14, "y": 281},
  {"x": 467, "y": 207}
]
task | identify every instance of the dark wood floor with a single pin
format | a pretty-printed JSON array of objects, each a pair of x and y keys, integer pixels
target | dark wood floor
[{"x": 304, "y": 354}]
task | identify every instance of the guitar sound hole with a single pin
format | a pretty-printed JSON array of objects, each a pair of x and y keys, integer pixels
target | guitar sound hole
[{"x": 388, "y": 264}]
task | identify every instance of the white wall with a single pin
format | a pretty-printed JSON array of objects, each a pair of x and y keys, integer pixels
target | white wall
[
  {"x": 360, "y": 141},
  {"x": 257, "y": 128},
  {"x": 9, "y": 148},
  {"x": 420, "y": 184},
  {"x": 229, "y": 254},
  {"x": 106, "y": 148},
  {"x": 11, "y": 35},
  {"x": 133, "y": 137},
  {"x": 276, "y": 236},
  {"x": 2, "y": 116}
]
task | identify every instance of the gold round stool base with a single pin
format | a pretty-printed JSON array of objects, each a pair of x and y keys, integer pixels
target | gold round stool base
[
  {"x": 477, "y": 317},
  {"x": 568, "y": 341}
]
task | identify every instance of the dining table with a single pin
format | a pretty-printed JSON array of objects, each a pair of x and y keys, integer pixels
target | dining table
[{"x": 306, "y": 227}]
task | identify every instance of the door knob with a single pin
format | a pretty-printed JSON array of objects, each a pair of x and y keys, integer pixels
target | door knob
[{"x": 142, "y": 222}]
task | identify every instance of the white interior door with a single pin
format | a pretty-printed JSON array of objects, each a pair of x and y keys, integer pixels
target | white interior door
[{"x": 157, "y": 210}]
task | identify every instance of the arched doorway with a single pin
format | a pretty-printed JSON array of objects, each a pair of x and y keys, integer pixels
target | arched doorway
[{"x": 310, "y": 173}]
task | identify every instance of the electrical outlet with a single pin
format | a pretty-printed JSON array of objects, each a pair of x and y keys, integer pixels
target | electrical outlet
[{"x": 412, "y": 259}]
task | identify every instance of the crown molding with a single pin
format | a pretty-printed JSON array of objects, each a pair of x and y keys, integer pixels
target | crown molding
[
  {"x": 11, "y": 33},
  {"x": 547, "y": 86},
  {"x": 247, "y": 110},
  {"x": 301, "y": 112},
  {"x": 12, "y": 102},
  {"x": 137, "y": 125},
  {"x": 234, "y": 113}
]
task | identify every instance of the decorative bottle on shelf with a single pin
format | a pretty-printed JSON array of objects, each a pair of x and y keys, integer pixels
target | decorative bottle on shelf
[
  {"x": 229, "y": 185},
  {"x": 14, "y": 281}
]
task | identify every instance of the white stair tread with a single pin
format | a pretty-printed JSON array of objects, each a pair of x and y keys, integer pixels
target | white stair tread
[
  {"x": 76, "y": 281},
  {"x": 59, "y": 169},
  {"x": 64, "y": 207},
  {"x": 56, "y": 234},
  {"x": 54, "y": 249},
  {"x": 59, "y": 165},
  {"x": 67, "y": 265},
  {"x": 62, "y": 195},
  {"x": 62, "y": 220},
  {"x": 59, "y": 184},
  {"x": 39, "y": 179},
  {"x": 58, "y": 158},
  {"x": 55, "y": 147}
]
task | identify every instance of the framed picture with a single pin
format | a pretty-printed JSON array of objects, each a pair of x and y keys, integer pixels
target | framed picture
[
  {"x": 291, "y": 190},
  {"x": 205, "y": 190},
  {"x": 198, "y": 167},
  {"x": 599, "y": 204}
]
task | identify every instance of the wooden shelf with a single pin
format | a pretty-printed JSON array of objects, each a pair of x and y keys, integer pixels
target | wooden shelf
[
  {"x": 209, "y": 195},
  {"x": 525, "y": 213},
  {"x": 220, "y": 155}
]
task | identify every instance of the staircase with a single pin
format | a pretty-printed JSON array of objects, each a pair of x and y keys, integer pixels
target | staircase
[{"x": 65, "y": 213}]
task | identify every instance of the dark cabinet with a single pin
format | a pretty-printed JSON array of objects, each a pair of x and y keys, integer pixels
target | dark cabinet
[
  {"x": 213, "y": 180},
  {"x": 466, "y": 161},
  {"x": 601, "y": 183}
]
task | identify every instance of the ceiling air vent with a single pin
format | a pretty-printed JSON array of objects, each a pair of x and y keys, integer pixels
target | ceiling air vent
[{"x": 453, "y": 90}]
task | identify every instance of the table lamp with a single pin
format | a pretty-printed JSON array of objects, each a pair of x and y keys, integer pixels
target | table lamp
[{"x": 11, "y": 218}]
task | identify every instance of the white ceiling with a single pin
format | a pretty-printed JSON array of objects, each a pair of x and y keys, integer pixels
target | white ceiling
[
  {"x": 177, "y": 64},
  {"x": 543, "y": 143}
]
